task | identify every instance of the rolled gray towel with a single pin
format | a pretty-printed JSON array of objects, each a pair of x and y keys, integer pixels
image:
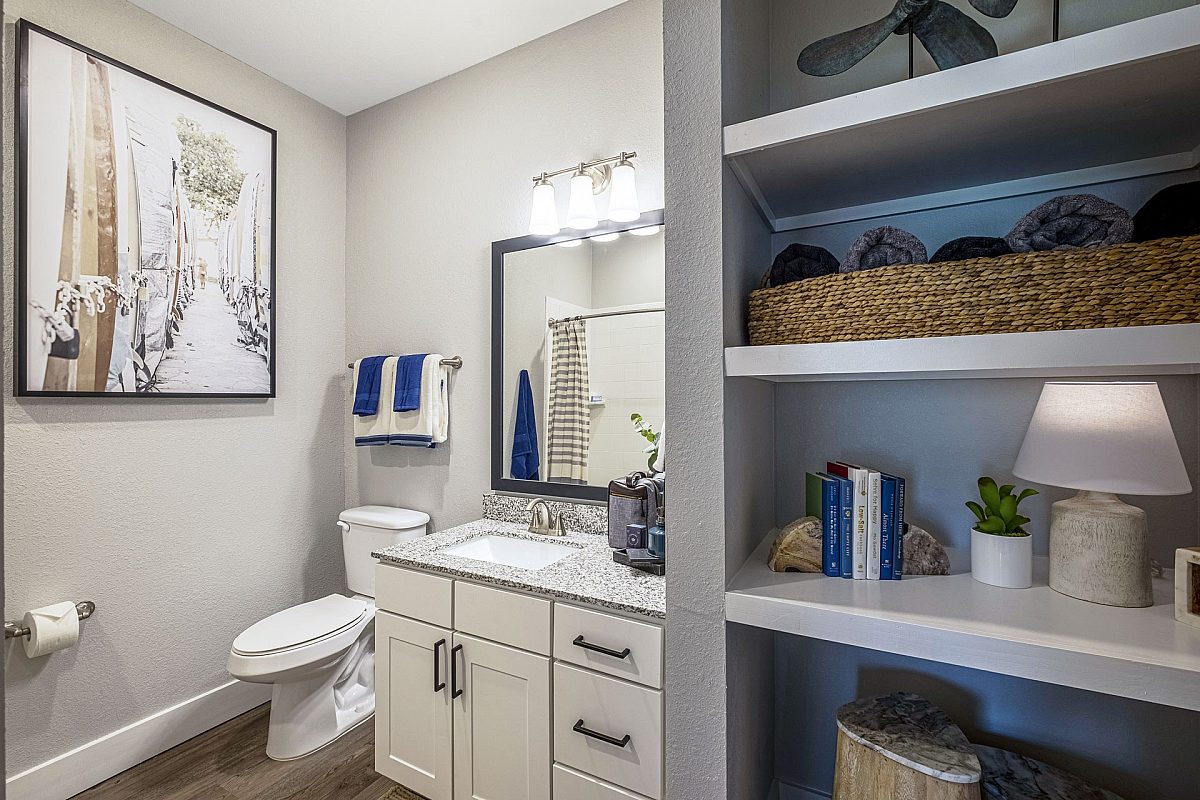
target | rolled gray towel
[
  {"x": 800, "y": 261},
  {"x": 884, "y": 247},
  {"x": 967, "y": 247},
  {"x": 1069, "y": 222}
]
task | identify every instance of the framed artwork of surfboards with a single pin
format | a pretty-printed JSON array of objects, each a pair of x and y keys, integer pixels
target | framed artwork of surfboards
[{"x": 145, "y": 233}]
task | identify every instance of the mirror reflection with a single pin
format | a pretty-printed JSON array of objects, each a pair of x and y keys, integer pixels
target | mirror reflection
[{"x": 584, "y": 350}]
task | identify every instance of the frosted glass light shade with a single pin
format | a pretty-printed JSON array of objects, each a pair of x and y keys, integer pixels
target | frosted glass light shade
[
  {"x": 543, "y": 219},
  {"x": 581, "y": 211},
  {"x": 1103, "y": 437},
  {"x": 623, "y": 200}
]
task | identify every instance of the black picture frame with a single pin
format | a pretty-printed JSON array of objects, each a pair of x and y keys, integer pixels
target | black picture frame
[
  {"x": 20, "y": 383},
  {"x": 568, "y": 491}
]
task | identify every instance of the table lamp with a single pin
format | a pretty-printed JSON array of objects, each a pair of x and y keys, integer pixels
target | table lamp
[{"x": 1103, "y": 439}]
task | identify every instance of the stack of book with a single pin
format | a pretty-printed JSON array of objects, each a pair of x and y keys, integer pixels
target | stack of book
[{"x": 862, "y": 521}]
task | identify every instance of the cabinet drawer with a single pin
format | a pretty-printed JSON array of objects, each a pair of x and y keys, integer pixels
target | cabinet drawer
[
  {"x": 415, "y": 595},
  {"x": 642, "y": 664},
  {"x": 572, "y": 785},
  {"x": 506, "y": 617},
  {"x": 607, "y": 707}
]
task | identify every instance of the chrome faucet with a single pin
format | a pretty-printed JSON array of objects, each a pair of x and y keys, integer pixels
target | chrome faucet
[{"x": 543, "y": 520}]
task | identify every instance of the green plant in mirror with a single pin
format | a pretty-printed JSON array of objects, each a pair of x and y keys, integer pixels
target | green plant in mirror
[
  {"x": 998, "y": 513},
  {"x": 650, "y": 435}
]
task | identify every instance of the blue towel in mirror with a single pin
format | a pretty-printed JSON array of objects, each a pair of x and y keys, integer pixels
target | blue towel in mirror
[
  {"x": 526, "y": 463},
  {"x": 408, "y": 382},
  {"x": 366, "y": 391}
]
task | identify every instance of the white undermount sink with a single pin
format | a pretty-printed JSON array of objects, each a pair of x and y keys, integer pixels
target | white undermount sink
[{"x": 511, "y": 552}]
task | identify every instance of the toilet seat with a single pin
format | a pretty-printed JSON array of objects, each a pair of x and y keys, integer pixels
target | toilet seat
[{"x": 305, "y": 624}]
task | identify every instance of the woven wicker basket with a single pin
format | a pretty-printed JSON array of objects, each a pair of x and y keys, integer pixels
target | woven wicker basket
[{"x": 1154, "y": 283}]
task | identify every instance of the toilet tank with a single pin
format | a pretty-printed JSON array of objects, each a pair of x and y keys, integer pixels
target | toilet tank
[{"x": 371, "y": 528}]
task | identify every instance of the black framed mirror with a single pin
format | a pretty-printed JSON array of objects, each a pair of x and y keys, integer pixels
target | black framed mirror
[{"x": 578, "y": 345}]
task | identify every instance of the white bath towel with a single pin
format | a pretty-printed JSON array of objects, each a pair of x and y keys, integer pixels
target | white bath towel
[
  {"x": 376, "y": 429},
  {"x": 429, "y": 425}
]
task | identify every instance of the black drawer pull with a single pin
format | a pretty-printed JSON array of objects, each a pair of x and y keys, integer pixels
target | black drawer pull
[
  {"x": 579, "y": 728},
  {"x": 455, "y": 692},
  {"x": 579, "y": 642},
  {"x": 438, "y": 683}
]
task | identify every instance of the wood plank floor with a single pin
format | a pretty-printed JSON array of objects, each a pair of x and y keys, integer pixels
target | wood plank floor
[{"x": 230, "y": 762}]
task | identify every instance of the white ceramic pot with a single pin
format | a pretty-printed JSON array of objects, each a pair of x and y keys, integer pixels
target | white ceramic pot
[{"x": 1002, "y": 560}]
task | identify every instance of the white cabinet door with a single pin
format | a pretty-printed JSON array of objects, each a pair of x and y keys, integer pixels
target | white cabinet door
[
  {"x": 413, "y": 742},
  {"x": 501, "y": 722}
]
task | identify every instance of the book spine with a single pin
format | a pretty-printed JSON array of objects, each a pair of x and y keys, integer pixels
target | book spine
[
  {"x": 874, "y": 524},
  {"x": 887, "y": 534},
  {"x": 830, "y": 522},
  {"x": 898, "y": 567},
  {"x": 862, "y": 489},
  {"x": 846, "y": 528}
]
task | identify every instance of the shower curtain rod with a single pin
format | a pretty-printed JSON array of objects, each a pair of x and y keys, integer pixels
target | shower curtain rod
[{"x": 552, "y": 322}]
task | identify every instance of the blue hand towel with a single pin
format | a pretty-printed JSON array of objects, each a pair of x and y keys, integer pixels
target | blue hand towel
[
  {"x": 366, "y": 393},
  {"x": 525, "y": 461},
  {"x": 408, "y": 382}
]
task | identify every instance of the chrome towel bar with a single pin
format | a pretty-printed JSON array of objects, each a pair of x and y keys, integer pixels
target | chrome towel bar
[
  {"x": 454, "y": 362},
  {"x": 14, "y": 630}
]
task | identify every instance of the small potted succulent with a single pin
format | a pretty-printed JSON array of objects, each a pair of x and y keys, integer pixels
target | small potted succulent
[{"x": 1001, "y": 548}]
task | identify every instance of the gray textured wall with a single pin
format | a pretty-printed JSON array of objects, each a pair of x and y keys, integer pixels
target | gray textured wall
[
  {"x": 185, "y": 521},
  {"x": 440, "y": 173}
]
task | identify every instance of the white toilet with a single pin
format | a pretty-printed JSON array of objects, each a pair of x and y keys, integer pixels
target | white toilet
[{"x": 320, "y": 655}]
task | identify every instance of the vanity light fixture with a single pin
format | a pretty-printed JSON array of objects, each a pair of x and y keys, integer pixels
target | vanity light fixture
[
  {"x": 571, "y": 243},
  {"x": 543, "y": 220},
  {"x": 588, "y": 179},
  {"x": 649, "y": 230},
  {"x": 581, "y": 211},
  {"x": 605, "y": 237}
]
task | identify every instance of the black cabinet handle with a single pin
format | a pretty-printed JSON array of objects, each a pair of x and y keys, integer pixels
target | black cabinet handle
[
  {"x": 438, "y": 683},
  {"x": 579, "y": 642},
  {"x": 455, "y": 692},
  {"x": 579, "y": 728}
]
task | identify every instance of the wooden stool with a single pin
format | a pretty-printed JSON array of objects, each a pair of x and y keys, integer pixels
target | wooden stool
[
  {"x": 1009, "y": 776},
  {"x": 902, "y": 746}
]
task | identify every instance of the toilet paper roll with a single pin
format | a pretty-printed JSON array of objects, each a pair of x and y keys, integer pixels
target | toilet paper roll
[{"x": 51, "y": 628}]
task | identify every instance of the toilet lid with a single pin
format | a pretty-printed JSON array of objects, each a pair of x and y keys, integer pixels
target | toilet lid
[{"x": 300, "y": 625}]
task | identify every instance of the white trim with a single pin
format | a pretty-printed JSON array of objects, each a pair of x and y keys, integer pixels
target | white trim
[{"x": 87, "y": 765}]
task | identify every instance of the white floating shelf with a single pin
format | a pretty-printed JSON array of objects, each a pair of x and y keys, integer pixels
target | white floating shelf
[
  {"x": 1038, "y": 634},
  {"x": 1113, "y": 104},
  {"x": 1104, "y": 352}
]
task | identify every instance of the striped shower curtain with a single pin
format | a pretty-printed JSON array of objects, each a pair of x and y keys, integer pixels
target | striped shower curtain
[{"x": 570, "y": 418}]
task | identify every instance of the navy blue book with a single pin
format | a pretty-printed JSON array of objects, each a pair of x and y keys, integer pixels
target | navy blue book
[
  {"x": 898, "y": 566},
  {"x": 887, "y": 534},
  {"x": 821, "y": 500},
  {"x": 845, "y": 530}
]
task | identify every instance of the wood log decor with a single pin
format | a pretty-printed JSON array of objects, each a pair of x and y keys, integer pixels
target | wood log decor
[{"x": 902, "y": 746}]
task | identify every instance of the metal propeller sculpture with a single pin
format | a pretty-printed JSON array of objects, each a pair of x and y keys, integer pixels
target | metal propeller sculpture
[{"x": 950, "y": 36}]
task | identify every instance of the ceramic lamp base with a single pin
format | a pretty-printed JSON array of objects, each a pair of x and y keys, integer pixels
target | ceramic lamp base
[{"x": 1100, "y": 551}]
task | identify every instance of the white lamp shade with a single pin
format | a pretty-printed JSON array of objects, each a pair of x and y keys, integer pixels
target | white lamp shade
[
  {"x": 543, "y": 219},
  {"x": 581, "y": 211},
  {"x": 623, "y": 200},
  {"x": 1103, "y": 437}
]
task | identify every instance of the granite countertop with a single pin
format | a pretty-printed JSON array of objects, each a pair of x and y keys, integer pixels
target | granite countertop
[{"x": 589, "y": 576}]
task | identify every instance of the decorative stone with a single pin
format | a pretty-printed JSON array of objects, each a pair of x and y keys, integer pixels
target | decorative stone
[
  {"x": 797, "y": 548},
  {"x": 1009, "y": 776},
  {"x": 923, "y": 554},
  {"x": 902, "y": 745},
  {"x": 1187, "y": 585}
]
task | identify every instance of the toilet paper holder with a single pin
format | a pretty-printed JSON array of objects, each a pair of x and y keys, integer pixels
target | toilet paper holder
[{"x": 14, "y": 630}]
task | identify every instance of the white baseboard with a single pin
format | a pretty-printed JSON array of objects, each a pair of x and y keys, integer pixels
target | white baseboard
[
  {"x": 97, "y": 761},
  {"x": 785, "y": 791}
]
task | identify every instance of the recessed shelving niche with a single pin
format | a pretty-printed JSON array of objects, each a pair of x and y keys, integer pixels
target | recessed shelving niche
[{"x": 1113, "y": 104}]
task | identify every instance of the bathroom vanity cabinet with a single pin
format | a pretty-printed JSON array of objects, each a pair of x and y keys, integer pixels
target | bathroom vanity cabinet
[{"x": 486, "y": 692}]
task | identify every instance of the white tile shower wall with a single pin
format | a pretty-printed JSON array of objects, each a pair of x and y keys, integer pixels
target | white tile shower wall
[{"x": 627, "y": 362}]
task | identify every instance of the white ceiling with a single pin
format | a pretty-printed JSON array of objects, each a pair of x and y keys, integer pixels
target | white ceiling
[{"x": 352, "y": 54}]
